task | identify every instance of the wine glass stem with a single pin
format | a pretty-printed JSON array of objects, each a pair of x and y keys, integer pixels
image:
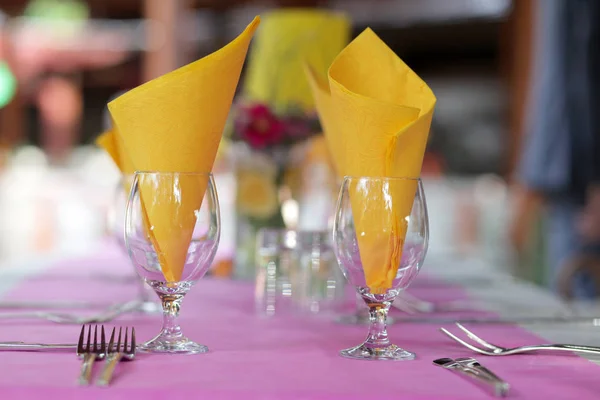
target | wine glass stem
[
  {"x": 171, "y": 303},
  {"x": 378, "y": 336}
]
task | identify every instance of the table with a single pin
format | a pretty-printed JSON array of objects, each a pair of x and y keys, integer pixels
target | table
[{"x": 283, "y": 357}]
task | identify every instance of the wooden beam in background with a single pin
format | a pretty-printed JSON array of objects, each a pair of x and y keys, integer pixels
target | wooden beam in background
[
  {"x": 168, "y": 53},
  {"x": 518, "y": 58},
  {"x": 12, "y": 116}
]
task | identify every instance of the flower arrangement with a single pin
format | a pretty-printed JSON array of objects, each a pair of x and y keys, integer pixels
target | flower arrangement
[
  {"x": 262, "y": 129},
  {"x": 268, "y": 149}
]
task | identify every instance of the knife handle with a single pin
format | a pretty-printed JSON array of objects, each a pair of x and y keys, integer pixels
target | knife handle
[
  {"x": 499, "y": 386},
  {"x": 22, "y": 346}
]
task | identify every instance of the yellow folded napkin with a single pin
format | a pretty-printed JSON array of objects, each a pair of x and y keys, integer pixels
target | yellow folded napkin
[
  {"x": 174, "y": 123},
  {"x": 113, "y": 145},
  {"x": 376, "y": 113},
  {"x": 334, "y": 134},
  {"x": 286, "y": 39}
]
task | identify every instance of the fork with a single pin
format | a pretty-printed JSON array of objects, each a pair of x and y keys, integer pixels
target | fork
[
  {"x": 90, "y": 352},
  {"x": 122, "y": 351},
  {"x": 495, "y": 350}
]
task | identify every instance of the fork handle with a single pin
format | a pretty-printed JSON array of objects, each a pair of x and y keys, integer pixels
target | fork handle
[
  {"x": 567, "y": 347},
  {"x": 86, "y": 368},
  {"x": 109, "y": 368}
]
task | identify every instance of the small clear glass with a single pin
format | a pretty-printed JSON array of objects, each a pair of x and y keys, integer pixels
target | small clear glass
[
  {"x": 319, "y": 282},
  {"x": 116, "y": 222},
  {"x": 296, "y": 272},
  {"x": 388, "y": 217},
  {"x": 172, "y": 217},
  {"x": 274, "y": 259}
]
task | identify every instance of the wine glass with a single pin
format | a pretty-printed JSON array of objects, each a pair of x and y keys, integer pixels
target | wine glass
[
  {"x": 116, "y": 222},
  {"x": 380, "y": 236},
  {"x": 172, "y": 231}
]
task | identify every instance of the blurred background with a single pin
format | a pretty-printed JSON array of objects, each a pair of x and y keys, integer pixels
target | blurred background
[{"x": 62, "y": 60}]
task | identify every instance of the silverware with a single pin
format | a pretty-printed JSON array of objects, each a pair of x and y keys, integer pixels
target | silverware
[
  {"x": 52, "y": 304},
  {"x": 121, "y": 351},
  {"x": 473, "y": 369},
  {"x": 66, "y": 318},
  {"x": 90, "y": 352},
  {"x": 495, "y": 350},
  {"x": 50, "y": 347},
  {"x": 99, "y": 277},
  {"x": 428, "y": 319},
  {"x": 473, "y": 363}
]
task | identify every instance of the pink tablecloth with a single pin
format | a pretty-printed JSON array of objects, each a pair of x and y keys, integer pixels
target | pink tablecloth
[{"x": 254, "y": 358}]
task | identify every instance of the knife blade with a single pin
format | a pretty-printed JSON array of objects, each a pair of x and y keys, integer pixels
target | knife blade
[{"x": 474, "y": 370}]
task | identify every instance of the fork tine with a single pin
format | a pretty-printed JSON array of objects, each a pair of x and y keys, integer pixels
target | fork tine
[
  {"x": 111, "y": 342},
  {"x": 467, "y": 345},
  {"x": 89, "y": 339},
  {"x": 119, "y": 340},
  {"x": 102, "y": 340},
  {"x": 95, "y": 348},
  {"x": 477, "y": 338},
  {"x": 132, "y": 348},
  {"x": 81, "y": 339},
  {"x": 126, "y": 339}
]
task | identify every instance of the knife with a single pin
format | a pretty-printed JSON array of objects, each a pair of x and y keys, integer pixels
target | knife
[
  {"x": 22, "y": 346},
  {"x": 52, "y": 304},
  {"x": 592, "y": 320},
  {"x": 473, "y": 369}
]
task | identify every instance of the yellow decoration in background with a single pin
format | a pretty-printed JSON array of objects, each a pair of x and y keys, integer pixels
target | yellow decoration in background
[
  {"x": 174, "y": 124},
  {"x": 256, "y": 194},
  {"x": 286, "y": 40},
  {"x": 318, "y": 151},
  {"x": 376, "y": 114}
]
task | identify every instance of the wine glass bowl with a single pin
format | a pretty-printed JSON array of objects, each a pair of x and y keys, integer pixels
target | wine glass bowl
[
  {"x": 172, "y": 232},
  {"x": 380, "y": 236}
]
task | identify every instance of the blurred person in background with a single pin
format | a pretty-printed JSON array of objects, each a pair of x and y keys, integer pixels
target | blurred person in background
[
  {"x": 58, "y": 94},
  {"x": 46, "y": 75},
  {"x": 560, "y": 163},
  {"x": 47, "y": 56}
]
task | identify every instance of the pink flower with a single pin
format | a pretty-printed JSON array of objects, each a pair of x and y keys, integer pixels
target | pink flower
[{"x": 259, "y": 127}]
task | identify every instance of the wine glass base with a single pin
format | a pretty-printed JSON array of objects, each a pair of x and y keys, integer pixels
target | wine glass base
[
  {"x": 358, "y": 319},
  {"x": 388, "y": 353},
  {"x": 181, "y": 345}
]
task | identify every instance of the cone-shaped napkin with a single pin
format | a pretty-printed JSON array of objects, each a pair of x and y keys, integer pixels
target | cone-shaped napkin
[
  {"x": 113, "y": 145},
  {"x": 376, "y": 114},
  {"x": 286, "y": 39},
  {"x": 334, "y": 135},
  {"x": 174, "y": 124}
]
